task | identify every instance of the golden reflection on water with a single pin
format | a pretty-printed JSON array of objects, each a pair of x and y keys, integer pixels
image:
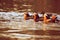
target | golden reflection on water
[
  {"x": 44, "y": 26},
  {"x": 25, "y": 26}
]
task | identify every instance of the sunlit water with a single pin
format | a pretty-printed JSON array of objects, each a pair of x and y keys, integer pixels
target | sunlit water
[{"x": 29, "y": 30}]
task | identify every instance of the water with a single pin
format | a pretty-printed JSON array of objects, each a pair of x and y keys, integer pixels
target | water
[{"x": 29, "y": 30}]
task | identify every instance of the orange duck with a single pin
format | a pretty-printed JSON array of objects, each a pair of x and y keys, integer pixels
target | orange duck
[{"x": 36, "y": 17}]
